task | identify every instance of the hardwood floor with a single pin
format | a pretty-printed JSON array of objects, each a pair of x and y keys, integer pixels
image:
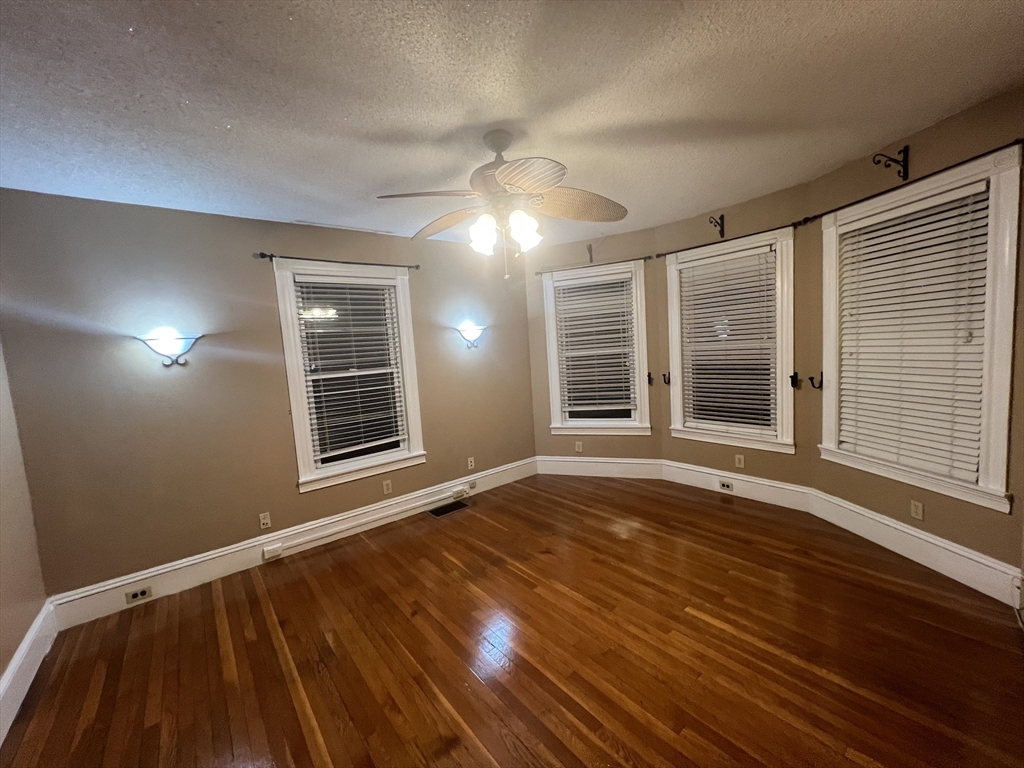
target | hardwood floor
[{"x": 557, "y": 621}]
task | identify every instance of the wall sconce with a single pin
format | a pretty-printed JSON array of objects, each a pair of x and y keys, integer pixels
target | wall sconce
[
  {"x": 470, "y": 332},
  {"x": 170, "y": 344}
]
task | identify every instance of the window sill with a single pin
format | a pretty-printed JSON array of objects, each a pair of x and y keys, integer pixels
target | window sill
[
  {"x": 601, "y": 429},
  {"x": 741, "y": 441},
  {"x": 970, "y": 493},
  {"x": 357, "y": 471}
]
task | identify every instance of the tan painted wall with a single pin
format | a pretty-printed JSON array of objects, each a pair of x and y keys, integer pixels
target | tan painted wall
[
  {"x": 21, "y": 581},
  {"x": 132, "y": 465},
  {"x": 980, "y": 129}
]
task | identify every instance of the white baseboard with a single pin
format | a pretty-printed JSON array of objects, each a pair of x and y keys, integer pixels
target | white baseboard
[
  {"x": 23, "y": 666},
  {"x": 92, "y": 602},
  {"x": 985, "y": 574}
]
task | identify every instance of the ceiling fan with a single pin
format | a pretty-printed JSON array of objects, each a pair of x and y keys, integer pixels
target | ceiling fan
[{"x": 509, "y": 191}]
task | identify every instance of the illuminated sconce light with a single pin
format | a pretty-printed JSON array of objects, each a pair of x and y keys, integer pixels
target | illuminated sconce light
[
  {"x": 170, "y": 344},
  {"x": 470, "y": 332}
]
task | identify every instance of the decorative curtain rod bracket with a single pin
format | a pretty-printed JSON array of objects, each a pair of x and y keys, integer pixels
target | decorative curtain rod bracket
[
  {"x": 902, "y": 161},
  {"x": 718, "y": 224},
  {"x": 821, "y": 381}
]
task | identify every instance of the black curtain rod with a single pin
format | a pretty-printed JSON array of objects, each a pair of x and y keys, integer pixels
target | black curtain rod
[
  {"x": 808, "y": 219},
  {"x": 272, "y": 256},
  {"x": 598, "y": 264}
]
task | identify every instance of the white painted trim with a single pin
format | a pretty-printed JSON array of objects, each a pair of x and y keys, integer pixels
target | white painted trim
[
  {"x": 411, "y": 452},
  {"x": 641, "y": 422},
  {"x": 22, "y": 668},
  {"x": 81, "y": 605},
  {"x": 962, "y": 491},
  {"x": 980, "y": 572},
  {"x": 734, "y": 438},
  {"x": 781, "y": 240},
  {"x": 583, "y": 428},
  {"x": 1001, "y": 170},
  {"x": 587, "y": 466}
]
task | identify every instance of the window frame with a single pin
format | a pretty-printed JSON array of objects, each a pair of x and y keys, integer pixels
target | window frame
[
  {"x": 743, "y": 437},
  {"x": 411, "y": 451},
  {"x": 640, "y": 424},
  {"x": 1002, "y": 170}
]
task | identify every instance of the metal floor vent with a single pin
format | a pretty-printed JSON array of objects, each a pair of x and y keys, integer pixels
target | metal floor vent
[{"x": 451, "y": 506}]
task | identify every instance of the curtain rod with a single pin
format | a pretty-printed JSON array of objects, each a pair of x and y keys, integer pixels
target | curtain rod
[
  {"x": 598, "y": 264},
  {"x": 808, "y": 219},
  {"x": 272, "y": 256}
]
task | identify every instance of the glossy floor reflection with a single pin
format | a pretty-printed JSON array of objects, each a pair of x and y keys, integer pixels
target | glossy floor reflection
[{"x": 557, "y": 621}]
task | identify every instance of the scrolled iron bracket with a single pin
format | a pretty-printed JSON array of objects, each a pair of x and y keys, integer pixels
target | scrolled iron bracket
[
  {"x": 901, "y": 161},
  {"x": 718, "y": 224}
]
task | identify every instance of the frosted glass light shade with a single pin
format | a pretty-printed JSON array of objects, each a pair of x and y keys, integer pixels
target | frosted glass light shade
[
  {"x": 483, "y": 235},
  {"x": 524, "y": 230}
]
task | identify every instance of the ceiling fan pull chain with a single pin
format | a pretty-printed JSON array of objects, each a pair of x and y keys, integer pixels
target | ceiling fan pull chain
[{"x": 504, "y": 252}]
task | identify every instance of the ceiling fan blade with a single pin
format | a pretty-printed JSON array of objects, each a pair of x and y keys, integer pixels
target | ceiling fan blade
[
  {"x": 530, "y": 174},
  {"x": 447, "y": 221},
  {"x": 441, "y": 193},
  {"x": 579, "y": 205}
]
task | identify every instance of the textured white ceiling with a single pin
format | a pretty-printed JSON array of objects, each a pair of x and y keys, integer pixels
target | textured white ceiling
[{"x": 305, "y": 111}]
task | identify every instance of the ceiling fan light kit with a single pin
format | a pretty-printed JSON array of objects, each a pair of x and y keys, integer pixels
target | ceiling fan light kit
[{"x": 512, "y": 191}]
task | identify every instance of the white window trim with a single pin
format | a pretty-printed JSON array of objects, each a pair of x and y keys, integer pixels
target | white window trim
[
  {"x": 310, "y": 476},
  {"x": 1002, "y": 170},
  {"x": 641, "y": 424},
  {"x": 744, "y": 437}
]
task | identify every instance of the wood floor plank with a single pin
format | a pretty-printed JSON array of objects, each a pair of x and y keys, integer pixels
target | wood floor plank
[{"x": 558, "y": 621}]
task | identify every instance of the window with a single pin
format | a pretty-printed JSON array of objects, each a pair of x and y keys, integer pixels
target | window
[
  {"x": 918, "y": 330},
  {"x": 597, "y": 350},
  {"x": 351, "y": 371},
  {"x": 731, "y": 342}
]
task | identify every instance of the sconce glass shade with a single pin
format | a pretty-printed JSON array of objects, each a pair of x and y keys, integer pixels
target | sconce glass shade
[
  {"x": 524, "y": 230},
  {"x": 170, "y": 344},
  {"x": 484, "y": 234},
  {"x": 470, "y": 332}
]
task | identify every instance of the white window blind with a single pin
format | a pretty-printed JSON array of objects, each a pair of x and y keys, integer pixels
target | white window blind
[
  {"x": 351, "y": 360},
  {"x": 911, "y": 331},
  {"x": 729, "y": 318},
  {"x": 596, "y": 349}
]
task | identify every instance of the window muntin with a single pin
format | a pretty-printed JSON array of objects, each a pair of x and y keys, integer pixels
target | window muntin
[
  {"x": 919, "y": 290},
  {"x": 730, "y": 338},
  {"x": 596, "y": 349},
  {"x": 347, "y": 333}
]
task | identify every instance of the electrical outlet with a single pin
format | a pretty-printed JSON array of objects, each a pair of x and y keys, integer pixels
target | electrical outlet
[
  {"x": 272, "y": 551},
  {"x": 739, "y": 460},
  {"x": 387, "y": 487},
  {"x": 265, "y": 520},
  {"x": 138, "y": 595},
  {"x": 917, "y": 510},
  {"x": 471, "y": 462},
  {"x": 725, "y": 485},
  {"x": 472, "y": 484},
  {"x": 579, "y": 446},
  {"x": 460, "y": 493}
]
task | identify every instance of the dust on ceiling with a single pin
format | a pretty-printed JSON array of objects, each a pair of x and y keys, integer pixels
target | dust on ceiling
[{"x": 306, "y": 111}]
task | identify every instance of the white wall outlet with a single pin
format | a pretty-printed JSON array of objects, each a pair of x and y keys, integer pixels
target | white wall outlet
[
  {"x": 138, "y": 594},
  {"x": 471, "y": 462},
  {"x": 739, "y": 460},
  {"x": 460, "y": 493},
  {"x": 472, "y": 484},
  {"x": 579, "y": 446},
  {"x": 387, "y": 487},
  {"x": 273, "y": 551},
  {"x": 917, "y": 510},
  {"x": 725, "y": 485},
  {"x": 264, "y": 520}
]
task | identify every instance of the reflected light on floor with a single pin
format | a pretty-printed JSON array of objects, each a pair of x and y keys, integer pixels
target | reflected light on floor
[{"x": 495, "y": 651}]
